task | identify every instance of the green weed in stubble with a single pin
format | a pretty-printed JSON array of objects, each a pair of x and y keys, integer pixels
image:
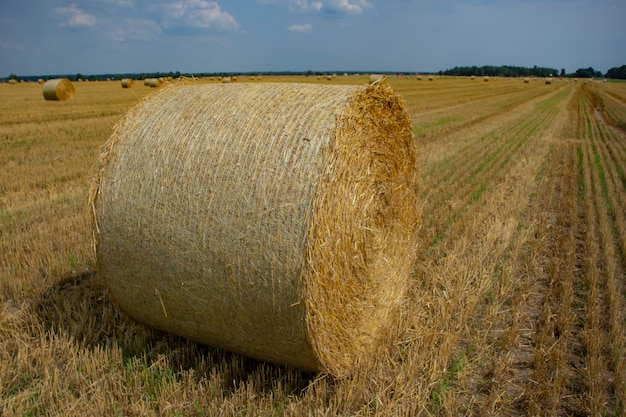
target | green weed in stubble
[{"x": 457, "y": 364}]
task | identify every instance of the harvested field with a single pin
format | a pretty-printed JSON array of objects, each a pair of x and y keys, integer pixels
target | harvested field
[{"x": 517, "y": 300}]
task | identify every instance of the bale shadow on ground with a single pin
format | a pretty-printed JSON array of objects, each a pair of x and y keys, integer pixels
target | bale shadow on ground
[{"x": 79, "y": 306}]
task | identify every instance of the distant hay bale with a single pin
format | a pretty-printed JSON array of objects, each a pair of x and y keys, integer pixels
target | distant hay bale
[
  {"x": 376, "y": 78},
  {"x": 40, "y": 81},
  {"x": 58, "y": 89},
  {"x": 430, "y": 78},
  {"x": 12, "y": 81},
  {"x": 276, "y": 220},
  {"x": 152, "y": 82},
  {"x": 473, "y": 77},
  {"x": 526, "y": 80},
  {"x": 127, "y": 82},
  {"x": 548, "y": 81},
  {"x": 226, "y": 79},
  {"x": 419, "y": 78},
  {"x": 485, "y": 79}
]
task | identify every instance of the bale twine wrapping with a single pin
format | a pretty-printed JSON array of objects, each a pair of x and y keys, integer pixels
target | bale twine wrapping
[
  {"x": 274, "y": 220},
  {"x": 58, "y": 89}
]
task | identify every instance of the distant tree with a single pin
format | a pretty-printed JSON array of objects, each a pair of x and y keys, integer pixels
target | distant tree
[
  {"x": 586, "y": 72},
  {"x": 618, "y": 73},
  {"x": 501, "y": 71}
]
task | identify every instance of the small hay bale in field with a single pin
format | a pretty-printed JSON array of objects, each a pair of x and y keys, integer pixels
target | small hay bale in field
[
  {"x": 376, "y": 78},
  {"x": 485, "y": 79},
  {"x": 276, "y": 220},
  {"x": 40, "y": 81},
  {"x": 58, "y": 89},
  {"x": 12, "y": 81},
  {"x": 526, "y": 80},
  {"x": 548, "y": 81},
  {"x": 152, "y": 82},
  {"x": 430, "y": 78},
  {"x": 226, "y": 80},
  {"x": 127, "y": 82}
]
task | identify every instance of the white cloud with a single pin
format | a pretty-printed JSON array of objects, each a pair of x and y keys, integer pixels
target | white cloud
[
  {"x": 339, "y": 7},
  {"x": 305, "y": 6},
  {"x": 307, "y": 27},
  {"x": 347, "y": 6},
  {"x": 75, "y": 17},
  {"x": 136, "y": 30},
  {"x": 198, "y": 14}
]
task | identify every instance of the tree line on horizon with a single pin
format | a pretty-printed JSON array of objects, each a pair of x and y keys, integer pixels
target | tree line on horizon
[
  {"x": 513, "y": 71},
  {"x": 467, "y": 71}
]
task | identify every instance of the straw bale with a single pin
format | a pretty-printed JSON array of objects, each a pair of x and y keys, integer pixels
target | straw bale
[
  {"x": 376, "y": 78},
  {"x": 548, "y": 81},
  {"x": 526, "y": 80},
  {"x": 226, "y": 80},
  {"x": 58, "y": 89},
  {"x": 274, "y": 220},
  {"x": 152, "y": 82},
  {"x": 127, "y": 82}
]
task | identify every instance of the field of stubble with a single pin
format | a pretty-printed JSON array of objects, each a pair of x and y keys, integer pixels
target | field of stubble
[{"x": 517, "y": 304}]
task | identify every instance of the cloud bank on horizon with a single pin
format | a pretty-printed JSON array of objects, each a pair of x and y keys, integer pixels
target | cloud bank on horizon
[{"x": 112, "y": 36}]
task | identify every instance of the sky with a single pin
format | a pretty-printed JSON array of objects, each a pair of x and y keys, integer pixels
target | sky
[{"x": 39, "y": 37}]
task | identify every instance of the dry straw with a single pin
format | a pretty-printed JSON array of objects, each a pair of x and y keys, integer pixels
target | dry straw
[
  {"x": 127, "y": 82},
  {"x": 58, "y": 89},
  {"x": 274, "y": 220}
]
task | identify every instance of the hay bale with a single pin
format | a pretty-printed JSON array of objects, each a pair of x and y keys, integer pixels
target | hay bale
[
  {"x": 275, "y": 220},
  {"x": 485, "y": 79},
  {"x": 226, "y": 80},
  {"x": 376, "y": 78},
  {"x": 152, "y": 82},
  {"x": 526, "y": 80},
  {"x": 58, "y": 89},
  {"x": 127, "y": 82},
  {"x": 548, "y": 81}
]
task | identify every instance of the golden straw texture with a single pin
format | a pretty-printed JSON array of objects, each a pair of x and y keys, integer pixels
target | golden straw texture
[
  {"x": 274, "y": 220},
  {"x": 127, "y": 82},
  {"x": 58, "y": 89}
]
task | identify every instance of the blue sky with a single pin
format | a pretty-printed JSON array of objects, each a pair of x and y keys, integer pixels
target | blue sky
[{"x": 39, "y": 37}]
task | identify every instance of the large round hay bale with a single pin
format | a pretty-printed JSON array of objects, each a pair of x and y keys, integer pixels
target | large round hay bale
[
  {"x": 127, "y": 82},
  {"x": 58, "y": 89},
  {"x": 274, "y": 220}
]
